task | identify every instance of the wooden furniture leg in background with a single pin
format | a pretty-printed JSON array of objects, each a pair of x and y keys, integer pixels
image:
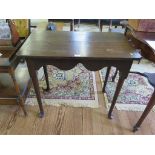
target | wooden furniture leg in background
[
  {"x": 72, "y": 25},
  {"x": 46, "y": 78},
  {"x": 106, "y": 79},
  {"x": 146, "y": 112},
  {"x": 113, "y": 78},
  {"x": 78, "y": 23},
  {"x": 100, "y": 23},
  {"x": 20, "y": 99}
]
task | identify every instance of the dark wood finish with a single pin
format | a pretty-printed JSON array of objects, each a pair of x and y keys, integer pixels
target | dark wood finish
[
  {"x": 151, "y": 80},
  {"x": 46, "y": 78},
  {"x": 33, "y": 75},
  {"x": 72, "y": 25},
  {"x": 118, "y": 88},
  {"x": 8, "y": 64},
  {"x": 66, "y": 49},
  {"x": 106, "y": 79},
  {"x": 139, "y": 40}
]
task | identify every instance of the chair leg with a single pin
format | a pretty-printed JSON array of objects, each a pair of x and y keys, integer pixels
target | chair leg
[
  {"x": 145, "y": 113},
  {"x": 72, "y": 25},
  {"x": 110, "y": 25},
  {"x": 100, "y": 25},
  {"x": 78, "y": 23},
  {"x": 20, "y": 99}
]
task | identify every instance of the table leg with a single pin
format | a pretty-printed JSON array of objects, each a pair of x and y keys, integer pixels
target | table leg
[
  {"x": 100, "y": 25},
  {"x": 72, "y": 25},
  {"x": 110, "y": 25},
  {"x": 145, "y": 113},
  {"x": 113, "y": 78},
  {"x": 106, "y": 79},
  {"x": 78, "y": 23},
  {"x": 46, "y": 78},
  {"x": 20, "y": 99},
  {"x": 35, "y": 82},
  {"x": 118, "y": 88}
]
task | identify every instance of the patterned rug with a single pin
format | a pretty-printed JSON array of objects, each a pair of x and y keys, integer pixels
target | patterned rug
[
  {"x": 76, "y": 87},
  {"x": 134, "y": 95}
]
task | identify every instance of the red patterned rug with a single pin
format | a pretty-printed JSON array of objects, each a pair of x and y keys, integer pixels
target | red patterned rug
[
  {"x": 76, "y": 87},
  {"x": 134, "y": 95}
]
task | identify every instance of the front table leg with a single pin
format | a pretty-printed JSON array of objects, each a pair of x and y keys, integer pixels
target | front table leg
[
  {"x": 145, "y": 113},
  {"x": 35, "y": 82},
  {"x": 118, "y": 88}
]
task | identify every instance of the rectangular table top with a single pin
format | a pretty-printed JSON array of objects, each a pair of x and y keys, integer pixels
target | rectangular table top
[{"x": 78, "y": 45}]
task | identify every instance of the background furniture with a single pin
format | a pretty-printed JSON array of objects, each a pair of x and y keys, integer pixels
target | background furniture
[
  {"x": 151, "y": 103},
  {"x": 14, "y": 81},
  {"x": 112, "y": 22},
  {"x": 62, "y": 22},
  {"x": 13, "y": 88},
  {"x": 143, "y": 25},
  {"x": 88, "y": 21},
  {"x": 23, "y": 27},
  {"x": 99, "y": 22},
  {"x": 140, "y": 41}
]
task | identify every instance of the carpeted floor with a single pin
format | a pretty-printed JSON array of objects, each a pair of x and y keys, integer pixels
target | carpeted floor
[
  {"x": 76, "y": 87},
  {"x": 135, "y": 93}
]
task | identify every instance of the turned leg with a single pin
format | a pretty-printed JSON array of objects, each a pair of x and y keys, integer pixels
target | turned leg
[
  {"x": 146, "y": 112},
  {"x": 118, "y": 88},
  {"x": 20, "y": 99},
  {"x": 35, "y": 82},
  {"x": 46, "y": 78},
  {"x": 113, "y": 78},
  {"x": 106, "y": 79}
]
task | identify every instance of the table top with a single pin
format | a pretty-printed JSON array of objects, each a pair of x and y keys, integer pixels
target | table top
[{"x": 78, "y": 45}]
